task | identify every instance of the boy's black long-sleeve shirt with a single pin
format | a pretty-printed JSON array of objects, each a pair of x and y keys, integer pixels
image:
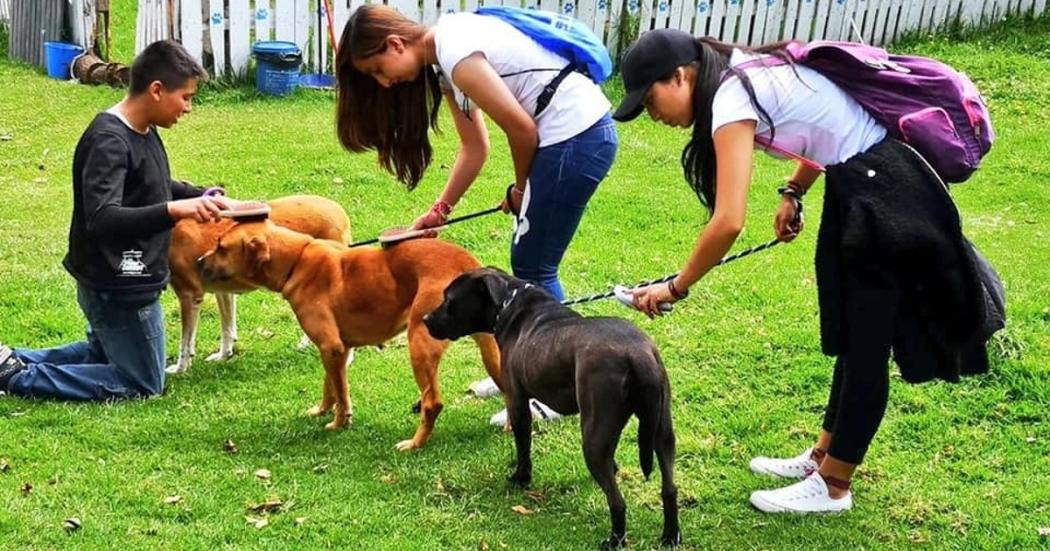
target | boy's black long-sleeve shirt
[{"x": 120, "y": 232}]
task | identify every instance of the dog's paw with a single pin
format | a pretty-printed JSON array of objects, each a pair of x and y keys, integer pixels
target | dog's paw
[
  {"x": 407, "y": 445},
  {"x": 671, "y": 541},
  {"x": 317, "y": 411},
  {"x": 614, "y": 542},
  {"x": 338, "y": 425},
  {"x": 520, "y": 478},
  {"x": 176, "y": 369},
  {"x": 220, "y": 356}
]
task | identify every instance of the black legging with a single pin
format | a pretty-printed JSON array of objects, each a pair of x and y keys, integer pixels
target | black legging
[{"x": 855, "y": 409}]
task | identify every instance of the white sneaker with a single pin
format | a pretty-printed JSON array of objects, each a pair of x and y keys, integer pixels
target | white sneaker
[
  {"x": 485, "y": 388},
  {"x": 540, "y": 412},
  {"x": 808, "y": 496},
  {"x": 795, "y": 467}
]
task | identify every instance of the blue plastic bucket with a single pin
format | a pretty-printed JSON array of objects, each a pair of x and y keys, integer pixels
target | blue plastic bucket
[
  {"x": 60, "y": 56},
  {"x": 277, "y": 67}
]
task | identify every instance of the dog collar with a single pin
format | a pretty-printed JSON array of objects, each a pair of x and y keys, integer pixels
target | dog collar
[{"x": 506, "y": 303}]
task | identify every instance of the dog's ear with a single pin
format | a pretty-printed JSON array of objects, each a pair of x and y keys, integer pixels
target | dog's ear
[
  {"x": 495, "y": 285},
  {"x": 257, "y": 249}
]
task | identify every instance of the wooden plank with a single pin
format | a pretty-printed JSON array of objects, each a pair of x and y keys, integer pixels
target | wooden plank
[
  {"x": 342, "y": 15},
  {"x": 1039, "y": 8},
  {"x": 747, "y": 14},
  {"x": 937, "y": 14},
  {"x": 545, "y": 5},
  {"x": 661, "y": 11},
  {"x": 988, "y": 11},
  {"x": 645, "y": 16},
  {"x": 894, "y": 21},
  {"x": 675, "y": 12},
  {"x": 807, "y": 16},
  {"x": 302, "y": 23},
  {"x": 790, "y": 19},
  {"x": 758, "y": 24},
  {"x": 913, "y": 18},
  {"x": 714, "y": 20},
  {"x": 731, "y": 22},
  {"x": 821, "y": 11},
  {"x": 217, "y": 34},
  {"x": 192, "y": 27},
  {"x": 263, "y": 20},
  {"x": 774, "y": 19},
  {"x": 240, "y": 35},
  {"x": 612, "y": 38},
  {"x": 601, "y": 17},
  {"x": 585, "y": 12},
  {"x": 284, "y": 20},
  {"x": 698, "y": 21},
  {"x": 430, "y": 12},
  {"x": 882, "y": 14},
  {"x": 836, "y": 18},
  {"x": 410, "y": 7}
]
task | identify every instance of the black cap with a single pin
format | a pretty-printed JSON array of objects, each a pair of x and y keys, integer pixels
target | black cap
[{"x": 653, "y": 57}]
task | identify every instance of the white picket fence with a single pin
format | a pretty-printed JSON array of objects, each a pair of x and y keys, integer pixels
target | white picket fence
[
  {"x": 228, "y": 28},
  {"x": 5, "y": 11}
]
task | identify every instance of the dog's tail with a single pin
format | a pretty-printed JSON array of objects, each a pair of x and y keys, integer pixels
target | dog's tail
[{"x": 652, "y": 407}]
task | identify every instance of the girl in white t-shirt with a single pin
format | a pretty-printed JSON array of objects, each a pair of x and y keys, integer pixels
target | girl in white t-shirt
[
  {"x": 392, "y": 74},
  {"x": 890, "y": 237}
]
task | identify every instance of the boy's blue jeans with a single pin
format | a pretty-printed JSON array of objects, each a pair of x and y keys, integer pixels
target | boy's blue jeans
[
  {"x": 562, "y": 179},
  {"x": 123, "y": 356}
]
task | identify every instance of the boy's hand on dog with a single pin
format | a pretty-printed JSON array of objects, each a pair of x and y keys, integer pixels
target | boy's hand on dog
[
  {"x": 648, "y": 299},
  {"x": 202, "y": 209}
]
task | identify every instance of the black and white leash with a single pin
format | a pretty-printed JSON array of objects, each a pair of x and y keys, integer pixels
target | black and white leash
[{"x": 665, "y": 279}]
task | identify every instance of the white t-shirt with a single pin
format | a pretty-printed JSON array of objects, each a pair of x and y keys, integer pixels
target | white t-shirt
[
  {"x": 813, "y": 117},
  {"x": 578, "y": 102}
]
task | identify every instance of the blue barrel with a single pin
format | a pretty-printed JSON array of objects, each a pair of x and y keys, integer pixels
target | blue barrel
[
  {"x": 59, "y": 57},
  {"x": 277, "y": 67}
]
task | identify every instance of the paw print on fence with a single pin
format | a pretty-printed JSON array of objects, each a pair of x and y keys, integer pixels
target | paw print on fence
[
  {"x": 262, "y": 14},
  {"x": 632, "y": 6},
  {"x": 702, "y": 7},
  {"x": 603, "y": 5},
  {"x": 568, "y": 8},
  {"x": 216, "y": 18},
  {"x": 662, "y": 6}
]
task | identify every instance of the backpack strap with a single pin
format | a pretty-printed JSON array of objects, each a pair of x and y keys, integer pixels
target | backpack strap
[
  {"x": 771, "y": 61},
  {"x": 548, "y": 91}
]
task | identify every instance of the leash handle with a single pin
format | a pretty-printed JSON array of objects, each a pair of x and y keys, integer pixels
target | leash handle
[
  {"x": 447, "y": 223},
  {"x": 665, "y": 279}
]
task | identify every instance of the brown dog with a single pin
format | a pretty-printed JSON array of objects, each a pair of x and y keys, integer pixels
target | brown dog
[
  {"x": 310, "y": 214},
  {"x": 345, "y": 298}
]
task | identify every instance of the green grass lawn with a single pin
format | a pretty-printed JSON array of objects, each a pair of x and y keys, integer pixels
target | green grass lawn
[{"x": 955, "y": 466}]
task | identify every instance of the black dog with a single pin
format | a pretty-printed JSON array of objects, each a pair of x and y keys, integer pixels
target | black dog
[{"x": 603, "y": 368}]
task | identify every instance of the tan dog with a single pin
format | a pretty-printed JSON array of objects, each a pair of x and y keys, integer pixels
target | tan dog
[
  {"x": 310, "y": 214},
  {"x": 345, "y": 298}
]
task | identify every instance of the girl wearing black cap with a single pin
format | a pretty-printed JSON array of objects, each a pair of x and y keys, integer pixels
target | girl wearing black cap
[{"x": 878, "y": 190}]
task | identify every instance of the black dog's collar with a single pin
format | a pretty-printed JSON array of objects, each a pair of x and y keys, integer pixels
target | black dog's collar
[{"x": 506, "y": 303}]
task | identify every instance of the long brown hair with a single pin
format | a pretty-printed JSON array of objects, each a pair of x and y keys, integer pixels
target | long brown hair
[
  {"x": 394, "y": 121},
  {"x": 698, "y": 157}
]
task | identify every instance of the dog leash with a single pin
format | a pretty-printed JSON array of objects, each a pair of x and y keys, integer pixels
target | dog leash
[
  {"x": 417, "y": 233},
  {"x": 665, "y": 279}
]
